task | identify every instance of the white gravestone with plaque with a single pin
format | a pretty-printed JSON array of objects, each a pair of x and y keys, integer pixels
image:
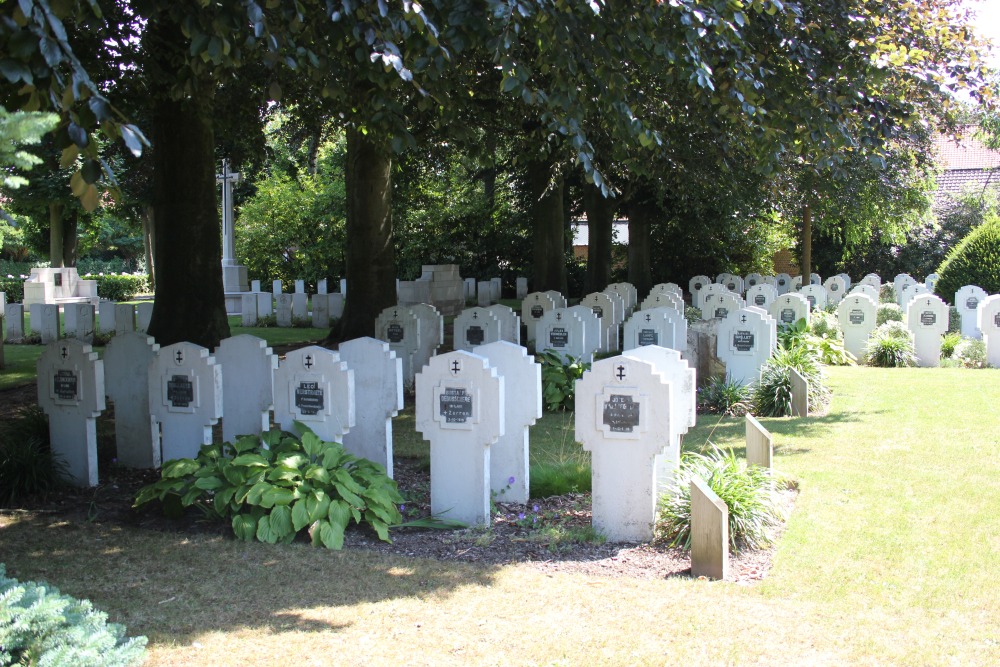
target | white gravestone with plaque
[
  {"x": 460, "y": 411},
  {"x": 620, "y": 422},
  {"x": 247, "y": 385},
  {"x": 836, "y": 288},
  {"x": 762, "y": 295},
  {"x": 796, "y": 284},
  {"x": 661, "y": 299},
  {"x": 628, "y": 294},
  {"x": 618, "y": 304},
  {"x": 857, "y": 315},
  {"x": 847, "y": 280},
  {"x": 124, "y": 317},
  {"x": 79, "y": 319},
  {"x": 533, "y": 308},
  {"x": 789, "y": 308},
  {"x": 475, "y": 326},
  {"x": 510, "y": 323},
  {"x": 71, "y": 393},
  {"x": 930, "y": 281},
  {"x": 867, "y": 290},
  {"x": 745, "y": 343},
  {"x": 816, "y": 296},
  {"x": 723, "y": 304},
  {"x": 431, "y": 324},
  {"x": 127, "y": 358},
  {"x": 399, "y": 327},
  {"x": 378, "y": 392},
  {"x": 313, "y": 386},
  {"x": 522, "y": 400},
  {"x": 988, "y": 315},
  {"x": 602, "y": 306},
  {"x": 592, "y": 331},
  {"x": 564, "y": 333},
  {"x": 695, "y": 285},
  {"x": 185, "y": 398},
  {"x": 967, "y": 300},
  {"x": 901, "y": 282},
  {"x": 927, "y": 318},
  {"x": 664, "y": 327},
  {"x": 734, "y": 283},
  {"x": 872, "y": 280},
  {"x": 783, "y": 283},
  {"x": 911, "y": 292},
  {"x": 815, "y": 279},
  {"x": 752, "y": 279},
  {"x": 557, "y": 298}
]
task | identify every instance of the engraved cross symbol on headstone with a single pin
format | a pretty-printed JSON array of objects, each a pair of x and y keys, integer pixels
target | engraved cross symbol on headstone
[
  {"x": 559, "y": 316},
  {"x": 743, "y": 318},
  {"x": 475, "y": 316},
  {"x": 621, "y": 373},
  {"x": 395, "y": 313},
  {"x": 648, "y": 317},
  {"x": 308, "y": 363},
  {"x": 64, "y": 353},
  {"x": 179, "y": 357},
  {"x": 455, "y": 367}
]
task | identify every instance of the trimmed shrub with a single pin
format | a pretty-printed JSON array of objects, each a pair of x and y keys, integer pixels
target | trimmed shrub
[
  {"x": 746, "y": 490},
  {"x": 890, "y": 346},
  {"x": 724, "y": 396},
  {"x": 888, "y": 312},
  {"x": 40, "y": 626},
  {"x": 121, "y": 287},
  {"x": 954, "y": 320},
  {"x": 13, "y": 288},
  {"x": 974, "y": 261}
]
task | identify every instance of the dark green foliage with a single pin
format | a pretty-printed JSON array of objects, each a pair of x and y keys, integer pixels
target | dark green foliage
[
  {"x": 887, "y": 294},
  {"x": 974, "y": 261},
  {"x": 723, "y": 396},
  {"x": 120, "y": 287},
  {"x": 746, "y": 490},
  {"x": 40, "y": 626},
  {"x": 949, "y": 342},
  {"x": 890, "y": 346},
  {"x": 773, "y": 394},
  {"x": 273, "y": 492},
  {"x": 13, "y": 288},
  {"x": 559, "y": 380},
  {"x": 888, "y": 312},
  {"x": 26, "y": 463},
  {"x": 556, "y": 479}
]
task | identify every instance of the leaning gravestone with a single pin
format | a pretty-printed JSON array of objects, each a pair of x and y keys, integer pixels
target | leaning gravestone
[
  {"x": 618, "y": 422},
  {"x": 475, "y": 326},
  {"x": 399, "y": 327},
  {"x": 762, "y": 295},
  {"x": 601, "y": 304},
  {"x": 989, "y": 324},
  {"x": 378, "y": 392},
  {"x": 71, "y": 393},
  {"x": 533, "y": 308},
  {"x": 967, "y": 300},
  {"x": 79, "y": 318},
  {"x": 460, "y": 411},
  {"x": 522, "y": 379},
  {"x": 744, "y": 344},
  {"x": 13, "y": 315},
  {"x": 857, "y": 315},
  {"x": 137, "y": 444},
  {"x": 313, "y": 386},
  {"x": 789, "y": 308},
  {"x": 143, "y": 314},
  {"x": 816, "y": 296},
  {"x": 185, "y": 398},
  {"x": 564, "y": 333},
  {"x": 709, "y": 532},
  {"x": 927, "y": 318},
  {"x": 510, "y": 323},
  {"x": 695, "y": 285},
  {"x": 247, "y": 385}
]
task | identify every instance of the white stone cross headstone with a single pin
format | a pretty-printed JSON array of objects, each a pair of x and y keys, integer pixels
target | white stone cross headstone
[
  {"x": 746, "y": 340},
  {"x": 911, "y": 292},
  {"x": 967, "y": 300},
  {"x": 815, "y": 295},
  {"x": 722, "y": 304},
  {"x": 857, "y": 316},
  {"x": 601, "y": 304},
  {"x": 185, "y": 398},
  {"x": 789, "y": 308},
  {"x": 378, "y": 392},
  {"x": 475, "y": 326},
  {"x": 988, "y": 316},
  {"x": 930, "y": 281},
  {"x": 248, "y": 367},
  {"x": 533, "y": 307},
  {"x": 867, "y": 290},
  {"x": 664, "y": 327},
  {"x": 510, "y": 323},
  {"x": 836, "y": 288},
  {"x": 313, "y": 386},
  {"x": 460, "y": 410},
  {"x": 509, "y": 479},
  {"x": 13, "y": 317},
  {"x": 127, "y": 358},
  {"x": 873, "y": 280},
  {"x": 557, "y": 298},
  {"x": 900, "y": 282},
  {"x": 399, "y": 326},
  {"x": 71, "y": 393},
  {"x": 564, "y": 333},
  {"x": 927, "y": 318},
  {"x": 619, "y": 423},
  {"x": 695, "y": 285},
  {"x": 762, "y": 295}
]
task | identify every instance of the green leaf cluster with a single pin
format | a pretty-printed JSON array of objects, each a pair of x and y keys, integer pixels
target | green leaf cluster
[
  {"x": 272, "y": 488},
  {"x": 890, "y": 346},
  {"x": 559, "y": 380},
  {"x": 773, "y": 393},
  {"x": 974, "y": 261}
]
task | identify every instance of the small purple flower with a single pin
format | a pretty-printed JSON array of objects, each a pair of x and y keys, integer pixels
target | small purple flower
[
  {"x": 534, "y": 508},
  {"x": 520, "y": 517},
  {"x": 510, "y": 480},
  {"x": 402, "y": 508},
  {"x": 114, "y": 460}
]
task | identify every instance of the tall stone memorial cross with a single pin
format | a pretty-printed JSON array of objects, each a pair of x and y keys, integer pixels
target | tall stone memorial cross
[
  {"x": 988, "y": 315},
  {"x": 378, "y": 391},
  {"x": 460, "y": 410},
  {"x": 619, "y": 421},
  {"x": 967, "y": 300},
  {"x": 228, "y": 179},
  {"x": 71, "y": 393},
  {"x": 522, "y": 407},
  {"x": 136, "y": 441},
  {"x": 927, "y": 318},
  {"x": 313, "y": 386},
  {"x": 857, "y": 314},
  {"x": 185, "y": 398},
  {"x": 247, "y": 385}
]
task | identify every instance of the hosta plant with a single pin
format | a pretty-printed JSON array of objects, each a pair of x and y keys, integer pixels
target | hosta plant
[
  {"x": 559, "y": 380},
  {"x": 274, "y": 487}
]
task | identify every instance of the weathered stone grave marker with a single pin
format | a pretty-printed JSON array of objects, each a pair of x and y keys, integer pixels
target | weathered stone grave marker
[
  {"x": 988, "y": 315},
  {"x": 45, "y": 321},
  {"x": 836, "y": 288},
  {"x": 783, "y": 283},
  {"x": 562, "y": 332},
  {"x": 127, "y": 359},
  {"x": 601, "y": 304},
  {"x": 431, "y": 325},
  {"x": 399, "y": 327},
  {"x": 321, "y": 311},
  {"x": 283, "y": 309},
  {"x": 313, "y": 386},
  {"x": 248, "y": 309},
  {"x": 378, "y": 392},
  {"x": 789, "y": 308},
  {"x": 816, "y": 296},
  {"x": 13, "y": 315},
  {"x": 247, "y": 385},
  {"x": 510, "y": 323},
  {"x": 762, "y": 295},
  {"x": 800, "y": 393},
  {"x": 185, "y": 398},
  {"x": 760, "y": 444},
  {"x": 124, "y": 317},
  {"x": 533, "y": 308},
  {"x": 79, "y": 319},
  {"x": 664, "y": 327}
]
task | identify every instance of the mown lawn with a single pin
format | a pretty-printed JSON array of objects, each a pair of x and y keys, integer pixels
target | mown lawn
[{"x": 891, "y": 556}]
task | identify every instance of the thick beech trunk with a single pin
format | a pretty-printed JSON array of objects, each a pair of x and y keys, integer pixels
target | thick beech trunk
[
  {"x": 549, "y": 228},
  {"x": 641, "y": 214},
  {"x": 70, "y": 240},
  {"x": 600, "y": 225},
  {"x": 370, "y": 256}
]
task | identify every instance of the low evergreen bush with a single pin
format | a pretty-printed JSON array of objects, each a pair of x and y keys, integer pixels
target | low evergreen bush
[
  {"x": 40, "y": 626},
  {"x": 974, "y": 261},
  {"x": 13, "y": 287},
  {"x": 120, "y": 287}
]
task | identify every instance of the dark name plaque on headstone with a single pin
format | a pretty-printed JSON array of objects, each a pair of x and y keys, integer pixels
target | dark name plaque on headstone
[
  {"x": 456, "y": 405},
  {"x": 971, "y": 303},
  {"x": 649, "y": 337},
  {"x": 751, "y": 282},
  {"x": 812, "y": 300},
  {"x": 537, "y": 312},
  {"x": 395, "y": 333},
  {"x": 309, "y": 398},
  {"x": 65, "y": 384},
  {"x": 759, "y": 300},
  {"x": 928, "y": 318},
  {"x": 180, "y": 391},
  {"x": 781, "y": 281},
  {"x": 743, "y": 340},
  {"x": 996, "y": 319},
  {"x": 857, "y": 316},
  {"x": 57, "y": 279},
  {"x": 698, "y": 286},
  {"x": 731, "y": 287},
  {"x": 475, "y": 335},
  {"x": 558, "y": 337},
  {"x": 834, "y": 287},
  {"x": 788, "y": 315},
  {"x": 621, "y": 414},
  {"x": 721, "y": 312},
  {"x": 598, "y": 311}
]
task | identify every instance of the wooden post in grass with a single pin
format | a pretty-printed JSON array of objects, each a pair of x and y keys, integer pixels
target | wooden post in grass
[
  {"x": 709, "y": 532},
  {"x": 800, "y": 394},
  {"x": 760, "y": 444}
]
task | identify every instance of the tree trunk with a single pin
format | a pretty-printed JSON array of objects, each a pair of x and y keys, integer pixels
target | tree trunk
[
  {"x": 549, "y": 231},
  {"x": 806, "y": 244},
  {"x": 70, "y": 241},
  {"x": 189, "y": 304},
  {"x": 640, "y": 267},
  {"x": 148, "y": 244},
  {"x": 370, "y": 256},
  {"x": 600, "y": 225},
  {"x": 56, "y": 235}
]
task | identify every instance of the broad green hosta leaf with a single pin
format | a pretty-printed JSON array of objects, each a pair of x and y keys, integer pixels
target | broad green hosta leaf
[{"x": 244, "y": 527}]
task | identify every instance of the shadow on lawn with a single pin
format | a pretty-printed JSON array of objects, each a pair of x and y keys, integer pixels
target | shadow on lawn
[{"x": 174, "y": 588}]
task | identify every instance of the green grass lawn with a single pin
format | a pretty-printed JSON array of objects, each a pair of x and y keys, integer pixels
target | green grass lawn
[{"x": 891, "y": 556}]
